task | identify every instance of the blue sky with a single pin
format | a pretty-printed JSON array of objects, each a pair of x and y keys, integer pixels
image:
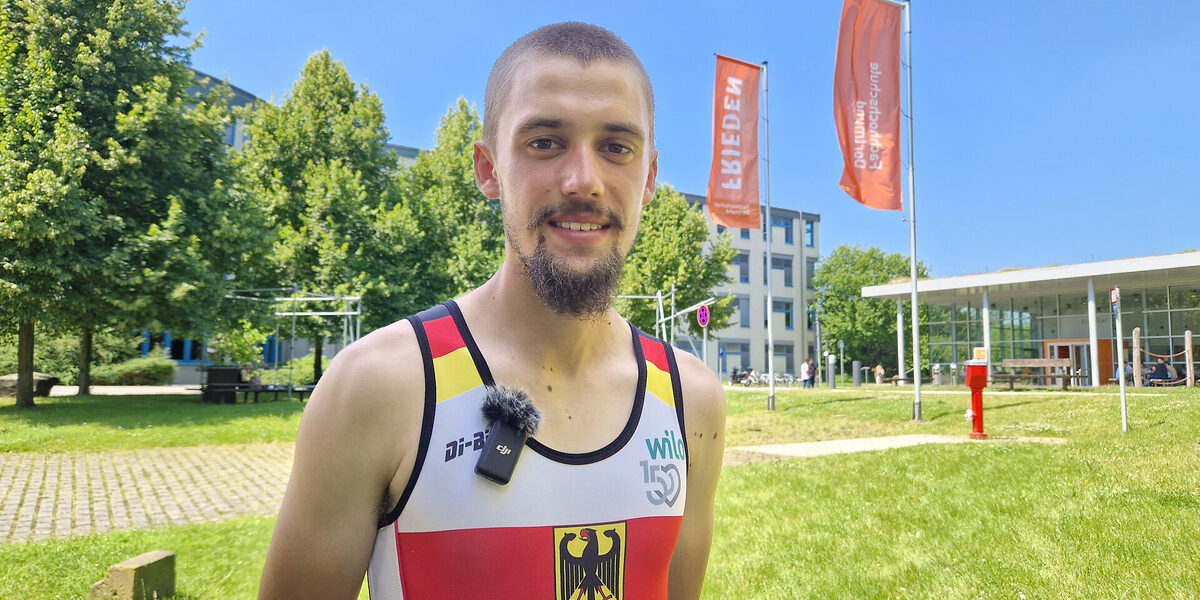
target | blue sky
[{"x": 1047, "y": 132}]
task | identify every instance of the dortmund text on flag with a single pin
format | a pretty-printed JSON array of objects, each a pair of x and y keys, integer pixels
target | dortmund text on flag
[{"x": 866, "y": 102}]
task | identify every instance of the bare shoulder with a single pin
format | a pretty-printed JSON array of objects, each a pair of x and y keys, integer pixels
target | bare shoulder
[
  {"x": 369, "y": 403},
  {"x": 377, "y": 376},
  {"x": 357, "y": 442},
  {"x": 703, "y": 396},
  {"x": 704, "y": 417}
]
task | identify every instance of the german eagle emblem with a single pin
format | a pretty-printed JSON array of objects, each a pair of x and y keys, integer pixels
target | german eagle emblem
[{"x": 590, "y": 562}]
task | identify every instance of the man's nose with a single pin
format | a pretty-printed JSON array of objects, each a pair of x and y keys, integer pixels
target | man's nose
[{"x": 581, "y": 173}]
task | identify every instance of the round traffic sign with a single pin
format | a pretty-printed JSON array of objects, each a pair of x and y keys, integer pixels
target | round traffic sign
[{"x": 702, "y": 316}]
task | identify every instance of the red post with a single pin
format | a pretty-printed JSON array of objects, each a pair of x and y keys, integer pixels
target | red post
[{"x": 977, "y": 380}]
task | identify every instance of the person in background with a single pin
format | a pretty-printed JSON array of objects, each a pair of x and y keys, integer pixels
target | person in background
[{"x": 1160, "y": 371}]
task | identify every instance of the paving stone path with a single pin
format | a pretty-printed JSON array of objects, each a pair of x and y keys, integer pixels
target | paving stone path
[
  {"x": 53, "y": 496},
  {"x": 48, "y": 496}
]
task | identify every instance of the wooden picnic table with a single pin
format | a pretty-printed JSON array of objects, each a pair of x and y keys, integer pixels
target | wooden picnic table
[
  {"x": 226, "y": 393},
  {"x": 1037, "y": 363}
]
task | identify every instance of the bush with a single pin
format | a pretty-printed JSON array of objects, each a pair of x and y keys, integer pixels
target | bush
[
  {"x": 58, "y": 354},
  {"x": 302, "y": 372},
  {"x": 155, "y": 369}
]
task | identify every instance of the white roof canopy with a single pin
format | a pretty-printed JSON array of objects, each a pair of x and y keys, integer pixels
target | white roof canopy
[{"x": 1144, "y": 272}]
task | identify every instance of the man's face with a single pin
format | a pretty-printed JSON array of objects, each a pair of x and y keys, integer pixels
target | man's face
[{"x": 572, "y": 166}]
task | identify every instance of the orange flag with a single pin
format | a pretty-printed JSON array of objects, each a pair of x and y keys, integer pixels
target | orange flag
[
  {"x": 733, "y": 180},
  {"x": 866, "y": 102}
]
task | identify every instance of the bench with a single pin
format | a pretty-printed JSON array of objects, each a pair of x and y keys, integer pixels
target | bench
[
  {"x": 223, "y": 384},
  {"x": 1166, "y": 382},
  {"x": 895, "y": 379},
  {"x": 226, "y": 393},
  {"x": 1037, "y": 363}
]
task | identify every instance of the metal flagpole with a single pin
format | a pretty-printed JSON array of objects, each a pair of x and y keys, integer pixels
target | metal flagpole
[
  {"x": 912, "y": 224},
  {"x": 1115, "y": 301},
  {"x": 770, "y": 239}
]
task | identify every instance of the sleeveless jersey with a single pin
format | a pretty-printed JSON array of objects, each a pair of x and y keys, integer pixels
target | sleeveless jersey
[{"x": 596, "y": 525}]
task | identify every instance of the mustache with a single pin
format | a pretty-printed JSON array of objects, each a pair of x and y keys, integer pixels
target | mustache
[{"x": 545, "y": 213}]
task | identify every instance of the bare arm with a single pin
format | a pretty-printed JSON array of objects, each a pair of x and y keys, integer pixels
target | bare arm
[
  {"x": 704, "y": 417},
  {"x": 358, "y": 433}
]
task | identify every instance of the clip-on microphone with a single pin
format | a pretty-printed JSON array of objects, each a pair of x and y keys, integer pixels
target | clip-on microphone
[{"x": 514, "y": 418}]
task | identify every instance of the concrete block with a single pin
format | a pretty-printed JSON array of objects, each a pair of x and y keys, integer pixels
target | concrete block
[{"x": 145, "y": 577}]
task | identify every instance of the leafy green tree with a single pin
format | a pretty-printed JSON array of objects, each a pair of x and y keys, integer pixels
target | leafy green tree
[
  {"x": 673, "y": 249},
  {"x": 109, "y": 172},
  {"x": 464, "y": 231},
  {"x": 395, "y": 266},
  {"x": 867, "y": 325},
  {"x": 320, "y": 163}
]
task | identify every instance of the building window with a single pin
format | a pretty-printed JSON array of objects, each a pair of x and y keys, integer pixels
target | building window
[
  {"x": 784, "y": 223},
  {"x": 743, "y": 310},
  {"x": 812, "y": 314},
  {"x": 810, "y": 270},
  {"x": 741, "y": 262},
  {"x": 783, "y": 308},
  {"x": 783, "y": 263},
  {"x": 181, "y": 350},
  {"x": 720, "y": 229},
  {"x": 810, "y": 234},
  {"x": 779, "y": 263},
  {"x": 745, "y": 233},
  {"x": 786, "y": 352},
  {"x": 734, "y": 355}
]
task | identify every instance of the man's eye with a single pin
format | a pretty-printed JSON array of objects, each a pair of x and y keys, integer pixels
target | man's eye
[
  {"x": 542, "y": 144},
  {"x": 619, "y": 149}
]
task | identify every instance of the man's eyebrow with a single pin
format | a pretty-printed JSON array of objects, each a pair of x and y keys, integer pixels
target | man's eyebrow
[
  {"x": 538, "y": 123},
  {"x": 628, "y": 128},
  {"x": 535, "y": 123}
]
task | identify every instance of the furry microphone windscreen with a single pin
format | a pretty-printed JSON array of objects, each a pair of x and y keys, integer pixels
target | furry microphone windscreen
[{"x": 511, "y": 407}]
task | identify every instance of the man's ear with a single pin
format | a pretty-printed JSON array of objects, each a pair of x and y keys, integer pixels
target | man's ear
[
  {"x": 485, "y": 171},
  {"x": 651, "y": 177}
]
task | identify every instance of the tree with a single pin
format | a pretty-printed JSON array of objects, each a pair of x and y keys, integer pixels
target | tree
[
  {"x": 465, "y": 232},
  {"x": 673, "y": 249},
  {"x": 108, "y": 171},
  {"x": 320, "y": 163},
  {"x": 867, "y": 325}
]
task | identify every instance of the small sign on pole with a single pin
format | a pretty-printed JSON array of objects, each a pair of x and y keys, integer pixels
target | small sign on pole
[{"x": 702, "y": 316}]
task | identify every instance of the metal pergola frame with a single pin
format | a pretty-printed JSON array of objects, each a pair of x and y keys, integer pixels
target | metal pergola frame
[{"x": 351, "y": 313}]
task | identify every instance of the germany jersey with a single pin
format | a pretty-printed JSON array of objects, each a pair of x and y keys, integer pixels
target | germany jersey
[{"x": 590, "y": 526}]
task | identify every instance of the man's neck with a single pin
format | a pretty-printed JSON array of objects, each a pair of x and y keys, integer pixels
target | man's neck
[{"x": 506, "y": 307}]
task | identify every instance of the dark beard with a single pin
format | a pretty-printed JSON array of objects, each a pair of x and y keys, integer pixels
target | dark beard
[{"x": 585, "y": 295}]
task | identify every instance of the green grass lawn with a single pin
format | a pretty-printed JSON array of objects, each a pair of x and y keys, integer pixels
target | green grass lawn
[
  {"x": 215, "y": 561},
  {"x": 1105, "y": 515},
  {"x": 77, "y": 424}
]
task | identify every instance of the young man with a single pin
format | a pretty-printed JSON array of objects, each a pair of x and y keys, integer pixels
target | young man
[{"x": 613, "y": 497}]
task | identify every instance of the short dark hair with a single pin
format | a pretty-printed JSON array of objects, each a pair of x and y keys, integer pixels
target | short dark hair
[{"x": 581, "y": 41}]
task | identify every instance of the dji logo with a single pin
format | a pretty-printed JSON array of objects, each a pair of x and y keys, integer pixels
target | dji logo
[{"x": 504, "y": 449}]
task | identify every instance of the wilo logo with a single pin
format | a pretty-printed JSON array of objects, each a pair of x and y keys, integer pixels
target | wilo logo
[
  {"x": 502, "y": 449},
  {"x": 662, "y": 475},
  {"x": 668, "y": 446}
]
